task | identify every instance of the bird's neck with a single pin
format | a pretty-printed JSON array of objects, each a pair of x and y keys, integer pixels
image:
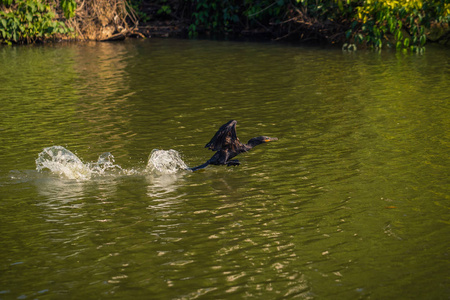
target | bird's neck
[{"x": 250, "y": 144}]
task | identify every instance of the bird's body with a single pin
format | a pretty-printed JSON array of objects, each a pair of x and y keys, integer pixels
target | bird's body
[{"x": 227, "y": 145}]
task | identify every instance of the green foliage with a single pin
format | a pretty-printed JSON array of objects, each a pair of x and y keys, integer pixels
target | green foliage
[
  {"x": 28, "y": 22},
  {"x": 6, "y": 2},
  {"x": 69, "y": 7},
  {"x": 402, "y": 22},
  {"x": 224, "y": 16},
  {"x": 215, "y": 16},
  {"x": 165, "y": 8},
  {"x": 266, "y": 11},
  {"x": 136, "y": 7},
  {"x": 374, "y": 23}
]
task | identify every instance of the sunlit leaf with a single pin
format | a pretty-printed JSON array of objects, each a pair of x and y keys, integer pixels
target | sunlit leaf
[{"x": 406, "y": 42}]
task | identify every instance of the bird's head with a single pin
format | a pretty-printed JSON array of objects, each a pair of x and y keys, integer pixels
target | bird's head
[{"x": 261, "y": 139}]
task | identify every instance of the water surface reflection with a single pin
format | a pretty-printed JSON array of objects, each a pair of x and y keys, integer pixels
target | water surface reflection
[{"x": 349, "y": 203}]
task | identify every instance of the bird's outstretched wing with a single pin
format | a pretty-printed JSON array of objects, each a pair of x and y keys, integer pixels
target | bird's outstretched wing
[{"x": 224, "y": 138}]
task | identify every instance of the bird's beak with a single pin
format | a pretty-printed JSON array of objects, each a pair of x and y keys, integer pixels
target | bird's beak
[{"x": 271, "y": 139}]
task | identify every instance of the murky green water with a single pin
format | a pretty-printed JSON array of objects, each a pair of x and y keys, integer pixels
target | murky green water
[{"x": 351, "y": 202}]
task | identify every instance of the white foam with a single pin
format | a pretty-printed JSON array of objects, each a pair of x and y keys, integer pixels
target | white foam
[
  {"x": 62, "y": 162},
  {"x": 165, "y": 162},
  {"x": 66, "y": 164}
]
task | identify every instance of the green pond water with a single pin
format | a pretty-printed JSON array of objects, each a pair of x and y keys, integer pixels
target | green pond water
[{"x": 352, "y": 201}]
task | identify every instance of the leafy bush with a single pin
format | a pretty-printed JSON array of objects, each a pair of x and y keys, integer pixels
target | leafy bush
[
  {"x": 135, "y": 6},
  {"x": 69, "y": 7},
  {"x": 214, "y": 16},
  {"x": 374, "y": 23},
  {"x": 397, "y": 22},
  {"x": 29, "y": 21}
]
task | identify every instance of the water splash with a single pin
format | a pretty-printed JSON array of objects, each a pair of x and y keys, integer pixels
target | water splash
[
  {"x": 64, "y": 163},
  {"x": 105, "y": 163},
  {"x": 165, "y": 162}
]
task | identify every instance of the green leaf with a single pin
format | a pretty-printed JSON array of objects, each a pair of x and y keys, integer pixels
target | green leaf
[
  {"x": 406, "y": 42},
  {"x": 423, "y": 39},
  {"x": 359, "y": 38},
  {"x": 376, "y": 32},
  {"x": 40, "y": 6},
  {"x": 340, "y": 5},
  {"x": 398, "y": 35},
  {"x": 378, "y": 44},
  {"x": 32, "y": 7}
]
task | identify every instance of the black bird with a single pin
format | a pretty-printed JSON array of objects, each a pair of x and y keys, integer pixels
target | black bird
[{"x": 227, "y": 145}]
